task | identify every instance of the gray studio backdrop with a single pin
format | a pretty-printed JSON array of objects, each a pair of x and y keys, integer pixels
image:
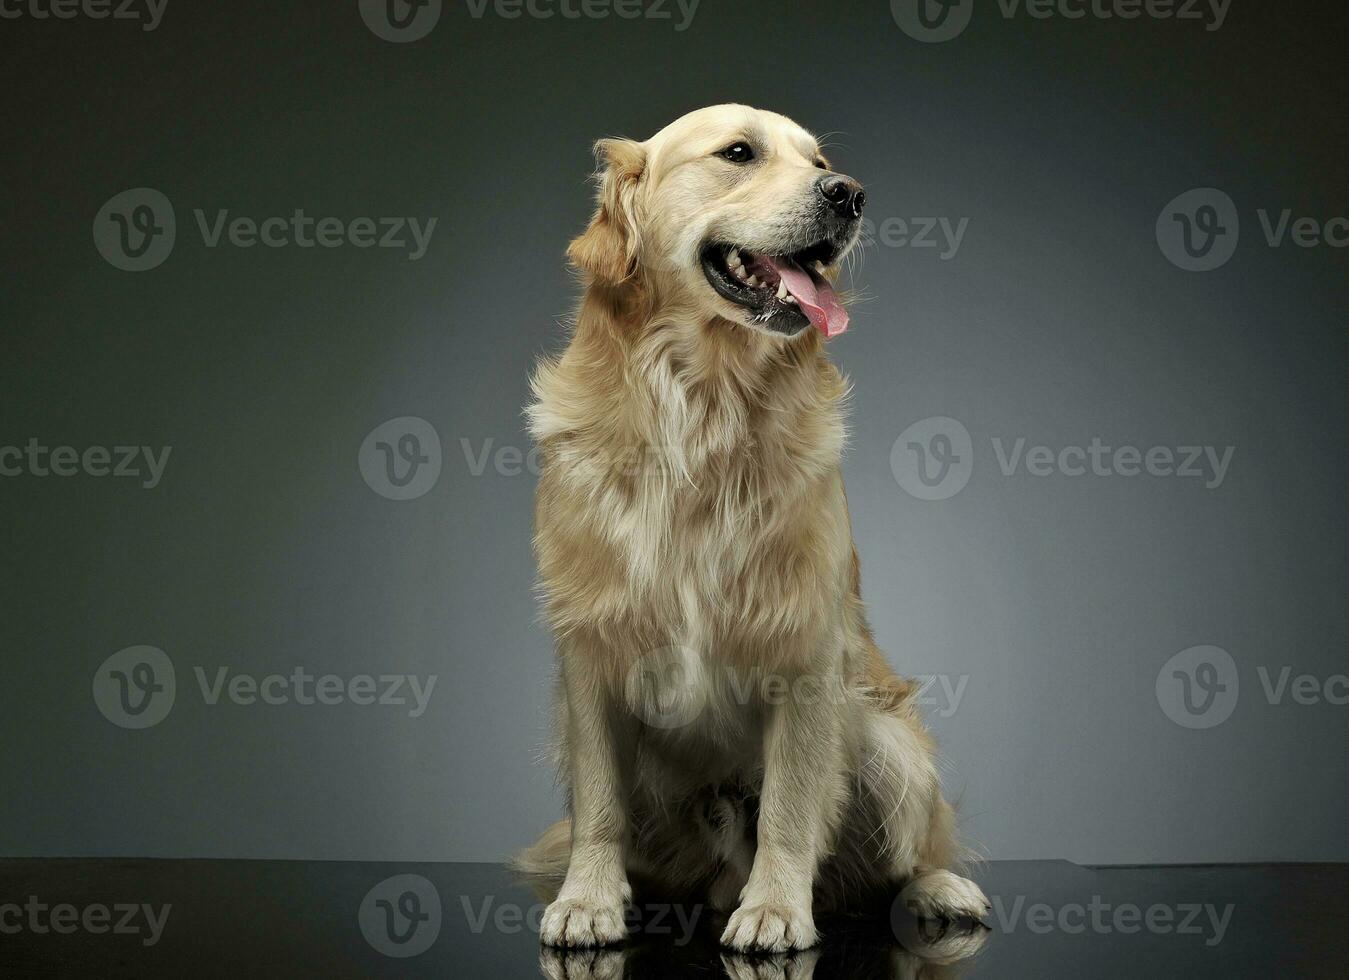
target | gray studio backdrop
[{"x": 1096, "y": 465}]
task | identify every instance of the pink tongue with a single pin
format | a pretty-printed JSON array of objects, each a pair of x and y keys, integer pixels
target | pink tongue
[{"x": 815, "y": 296}]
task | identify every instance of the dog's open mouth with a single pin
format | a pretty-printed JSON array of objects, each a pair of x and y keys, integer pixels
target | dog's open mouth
[{"x": 784, "y": 293}]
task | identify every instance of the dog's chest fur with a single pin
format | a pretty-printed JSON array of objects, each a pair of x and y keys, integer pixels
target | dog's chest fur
[{"x": 695, "y": 505}]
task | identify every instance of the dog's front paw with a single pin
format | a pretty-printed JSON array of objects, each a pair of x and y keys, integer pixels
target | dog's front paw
[
  {"x": 770, "y": 929},
  {"x": 583, "y": 922},
  {"x": 939, "y": 894}
]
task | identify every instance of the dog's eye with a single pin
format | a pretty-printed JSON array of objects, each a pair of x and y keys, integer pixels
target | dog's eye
[{"x": 738, "y": 153}]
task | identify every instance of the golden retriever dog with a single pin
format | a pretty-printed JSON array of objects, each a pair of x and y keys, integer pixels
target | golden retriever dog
[{"x": 727, "y": 729}]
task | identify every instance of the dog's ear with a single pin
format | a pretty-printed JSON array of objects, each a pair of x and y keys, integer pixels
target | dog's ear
[{"x": 607, "y": 249}]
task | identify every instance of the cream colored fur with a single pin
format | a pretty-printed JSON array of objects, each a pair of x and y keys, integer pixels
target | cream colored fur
[{"x": 694, "y": 550}]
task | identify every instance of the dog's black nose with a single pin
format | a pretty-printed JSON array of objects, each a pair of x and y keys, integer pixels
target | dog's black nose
[{"x": 844, "y": 195}]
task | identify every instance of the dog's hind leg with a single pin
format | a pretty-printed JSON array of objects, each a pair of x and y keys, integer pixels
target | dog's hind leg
[
  {"x": 912, "y": 827},
  {"x": 730, "y": 820},
  {"x": 935, "y": 893}
]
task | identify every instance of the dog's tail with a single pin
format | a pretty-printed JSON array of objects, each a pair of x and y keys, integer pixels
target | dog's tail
[{"x": 549, "y": 856}]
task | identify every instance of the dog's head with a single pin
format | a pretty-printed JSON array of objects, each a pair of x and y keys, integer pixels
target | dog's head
[{"x": 731, "y": 211}]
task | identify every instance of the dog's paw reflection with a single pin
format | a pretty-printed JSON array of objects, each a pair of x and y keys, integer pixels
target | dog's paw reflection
[
  {"x": 928, "y": 946},
  {"x": 581, "y": 964},
  {"x": 783, "y": 966}
]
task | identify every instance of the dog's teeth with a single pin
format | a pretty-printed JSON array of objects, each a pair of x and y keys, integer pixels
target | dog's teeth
[
  {"x": 782, "y": 289},
  {"x": 789, "y": 299},
  {"x": 819, "y": 267},
  {"x": 733, "y": 259},
  {"x": 752, "y": 281}
]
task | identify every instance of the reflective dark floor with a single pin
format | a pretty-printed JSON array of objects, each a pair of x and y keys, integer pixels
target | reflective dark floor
[{"x": 137, "y": 918}]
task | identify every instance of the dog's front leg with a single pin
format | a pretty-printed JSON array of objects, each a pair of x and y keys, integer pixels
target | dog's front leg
[
  {"x": 589, "y": 909},
  {"x": 804, "y": 789}
]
